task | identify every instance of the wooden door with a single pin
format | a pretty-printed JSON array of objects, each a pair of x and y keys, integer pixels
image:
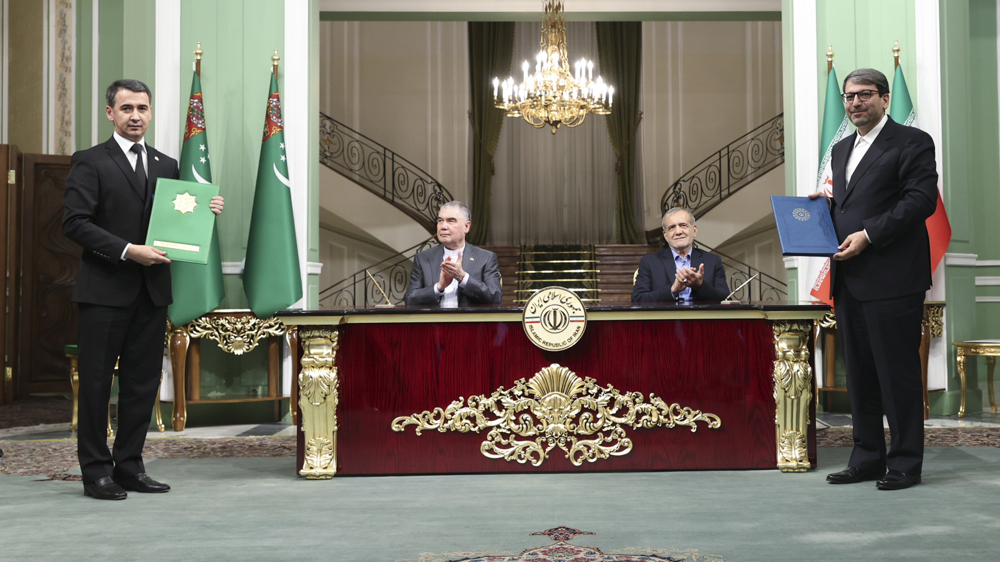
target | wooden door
[
  {"x": 9, "y": 157},
  {"x": 48, "y": 266}
]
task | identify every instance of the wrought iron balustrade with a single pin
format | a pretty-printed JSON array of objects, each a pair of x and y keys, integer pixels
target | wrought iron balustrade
[
  {"x": 728, "y": 170},
  {"x": 763, "y": 288},
  {"x": 358, "y": 291},
  {"x": 381, "y": 171}
]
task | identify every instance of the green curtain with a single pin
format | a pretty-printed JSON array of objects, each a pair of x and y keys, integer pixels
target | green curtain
[
  {"x": 619, "y": 51},
  {"x": 491, "y": 49}
]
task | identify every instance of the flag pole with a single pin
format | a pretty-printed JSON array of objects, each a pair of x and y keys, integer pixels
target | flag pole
[
  {"x": 829, "y": 59},
  {"x": 274, "y": 62},
  {"x": 895, "y": 54},
  {"x": 197, "y": 59}
]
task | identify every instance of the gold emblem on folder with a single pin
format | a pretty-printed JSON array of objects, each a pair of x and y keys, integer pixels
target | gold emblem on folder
[{"x": 185, "y": 203}]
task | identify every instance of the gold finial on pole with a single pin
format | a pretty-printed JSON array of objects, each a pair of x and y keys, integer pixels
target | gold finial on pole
[
  {"x": 197, "y": 59},
  {"x": 829, "y": 59},
  {"x": 274, "y": 62},
  {"x": 895, "y": 54}
]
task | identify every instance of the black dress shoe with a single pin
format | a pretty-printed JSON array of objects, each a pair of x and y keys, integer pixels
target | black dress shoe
[
  {"x": 896, "y": 480},
  {"x": 104, "y": 489},
  {"x": 852, "y": 475},
  {"x": 142, "y": 483}
]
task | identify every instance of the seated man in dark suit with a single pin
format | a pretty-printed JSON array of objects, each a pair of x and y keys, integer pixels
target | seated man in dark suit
[
  {"x": 680, "y": 272},
  {"x": 455, "y": 273}
]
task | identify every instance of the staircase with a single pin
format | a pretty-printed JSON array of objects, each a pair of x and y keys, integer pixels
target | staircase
[
  {"x": 508, "y": 258},
  {"x": 616, "y": 264}
]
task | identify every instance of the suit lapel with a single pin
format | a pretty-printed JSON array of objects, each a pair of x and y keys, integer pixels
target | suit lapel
[
  {"x": 839, "y": 169},
  {"x": 469, "y": 256},
  {"x": 668, "y": 265},
  {"x": 875, "y": 151},
  {"x": 116, "y": 154},
  {"x": 156, "y": 170}
]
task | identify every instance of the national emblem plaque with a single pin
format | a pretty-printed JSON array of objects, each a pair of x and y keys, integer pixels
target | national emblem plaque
[{"x": 554, "y": 319}]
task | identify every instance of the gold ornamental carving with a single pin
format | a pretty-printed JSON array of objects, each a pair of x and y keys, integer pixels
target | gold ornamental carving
[
  {"x": 934, "y": 319},
  {"x": 556, "y": 408},
  {"x": 235, "y": 334},
  {"x": 319, "y": 387},
  {"x": 829, "y": 320},
  {"x": 793, "y": 392}
]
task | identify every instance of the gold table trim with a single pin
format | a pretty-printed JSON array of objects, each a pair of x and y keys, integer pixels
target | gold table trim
[{"x": 976, "y": 349}]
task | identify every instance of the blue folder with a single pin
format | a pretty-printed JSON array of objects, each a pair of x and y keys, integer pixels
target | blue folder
[{"x": 804, "y": 226}]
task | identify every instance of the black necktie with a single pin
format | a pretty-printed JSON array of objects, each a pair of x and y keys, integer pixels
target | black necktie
[{"x": 140, "y": 170}]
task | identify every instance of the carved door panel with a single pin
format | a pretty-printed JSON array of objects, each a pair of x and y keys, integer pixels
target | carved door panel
[{"x": 48, "y": 266}]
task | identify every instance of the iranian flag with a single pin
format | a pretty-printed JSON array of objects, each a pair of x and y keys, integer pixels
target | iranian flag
[
  {"x": 938, "y": 227},
  {"x": 835, "y": 125},
  {"x": 271, "y": 275},
  {"x": 197, "y": 288}
]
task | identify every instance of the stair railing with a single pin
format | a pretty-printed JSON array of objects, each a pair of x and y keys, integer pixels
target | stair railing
[
  {"x": 381, "y": 171},
  {"x": 763, "y": 288},
  {"x": 728, "y": 170},
  {"x": 392, "y": 274}
]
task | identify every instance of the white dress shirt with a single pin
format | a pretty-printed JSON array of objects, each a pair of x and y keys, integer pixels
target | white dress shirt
[
  {"x": 861, "y": 145},
  {"x": 449, "y": 298},
  {"x": 127, "y": 149},
  {"x": 679, "y": 262}
]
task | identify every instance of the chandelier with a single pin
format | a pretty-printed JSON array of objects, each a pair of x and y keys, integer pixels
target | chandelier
[{"x": 552, "y": 95}]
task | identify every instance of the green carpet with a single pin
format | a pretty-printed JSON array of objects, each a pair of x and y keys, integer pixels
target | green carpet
[{"x": 256, "y": 509}]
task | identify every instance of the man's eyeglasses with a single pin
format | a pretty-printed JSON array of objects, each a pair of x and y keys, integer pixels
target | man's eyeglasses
[{"x": 863, "y": 95}]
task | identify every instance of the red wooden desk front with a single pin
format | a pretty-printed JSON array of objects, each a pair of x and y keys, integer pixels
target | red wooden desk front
[{"x": 720, "y": 362}]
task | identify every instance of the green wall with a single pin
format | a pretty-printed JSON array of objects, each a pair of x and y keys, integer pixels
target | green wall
[
  {"x": 983, "y": 152},
  {"x": 110, "y": 57},
  {"x": 84, "y": 99},
  {"x": 238, "y": 39},
  {"x": 862, "y": 34}
]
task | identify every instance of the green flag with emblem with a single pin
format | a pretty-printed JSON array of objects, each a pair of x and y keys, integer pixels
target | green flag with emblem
[
  {"x": 271, "y": 276},
  {"x": 197, "y": 288}
]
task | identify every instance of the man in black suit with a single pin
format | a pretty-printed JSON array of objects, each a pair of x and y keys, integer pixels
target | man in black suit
[
  {"x": 455, "y": 273},
  {"x": 884, "y": 189},
  {"x": 122, "y": 290},
  {"x": 680, "y": 272}
]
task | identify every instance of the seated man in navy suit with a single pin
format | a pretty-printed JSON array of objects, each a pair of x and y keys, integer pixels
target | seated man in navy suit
[{"x": 680, "y": 272}]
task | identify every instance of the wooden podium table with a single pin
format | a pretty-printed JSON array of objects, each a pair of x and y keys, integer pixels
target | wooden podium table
[{"x": 652, "y": 387}]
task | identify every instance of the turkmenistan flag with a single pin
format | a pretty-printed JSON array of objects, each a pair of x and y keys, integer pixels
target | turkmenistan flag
[
  {"x": 197, "y": 288},
  {"x": 835, "y": 126},
  {"x": 938, "y": 227},
  {"x": 271, "y": 275}
]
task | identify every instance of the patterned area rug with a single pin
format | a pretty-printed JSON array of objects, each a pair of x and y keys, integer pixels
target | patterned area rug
[
  {"x": 36, "y": 410},
  {"x": 933, "y": 437},
  {"x": 563, "y": 551},
  {"x": 55, "y": 458}
]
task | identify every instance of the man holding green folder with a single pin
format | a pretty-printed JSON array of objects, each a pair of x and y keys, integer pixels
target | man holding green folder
[{"x": 122, "y": 290}]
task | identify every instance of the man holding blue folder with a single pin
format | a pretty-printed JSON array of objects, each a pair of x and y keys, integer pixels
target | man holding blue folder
[{"x": 884, "y": 188}]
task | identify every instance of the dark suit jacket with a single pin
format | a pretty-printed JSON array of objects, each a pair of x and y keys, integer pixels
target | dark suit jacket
[
  {"x": 483, "y": 286},
  {"x": 106, "y": 209},
  {"x": 657, "y": 272},
  {"x": 892, "y": 192}
]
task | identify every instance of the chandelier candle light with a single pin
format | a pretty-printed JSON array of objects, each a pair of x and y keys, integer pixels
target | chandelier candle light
[{"x": 552, "y": 95}]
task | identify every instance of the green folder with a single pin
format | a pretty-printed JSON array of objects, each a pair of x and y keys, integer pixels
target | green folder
[{"x": 182, "y": 223}]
